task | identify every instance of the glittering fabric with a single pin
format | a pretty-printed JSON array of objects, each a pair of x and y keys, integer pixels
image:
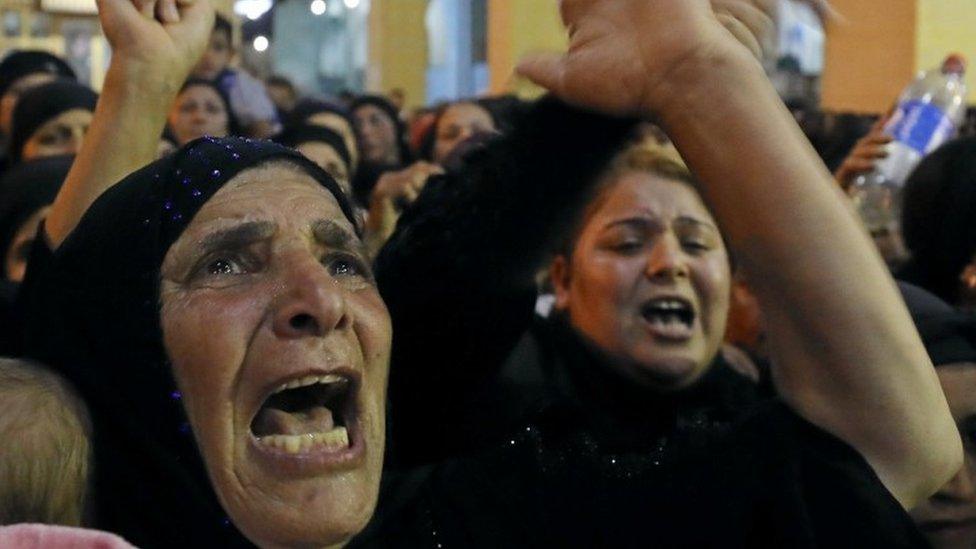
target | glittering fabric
[
  {"x": 513, "y": 432},
  {"x": 92, "y": 311}
]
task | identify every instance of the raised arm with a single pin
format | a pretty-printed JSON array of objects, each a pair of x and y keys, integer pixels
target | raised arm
[
  {"x": 846, "y": 355},
  {"x": 154, "y": 44}
]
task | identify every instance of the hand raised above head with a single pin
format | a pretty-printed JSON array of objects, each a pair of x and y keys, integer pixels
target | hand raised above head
[
  {"x": 625, "y": 56},
  {"x": 169, "y": 35}
]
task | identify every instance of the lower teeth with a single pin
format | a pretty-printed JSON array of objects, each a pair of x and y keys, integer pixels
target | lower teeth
[{"x": 335, "y": 439}]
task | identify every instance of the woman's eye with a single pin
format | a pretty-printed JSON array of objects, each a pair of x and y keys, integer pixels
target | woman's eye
[
  {"x": 696, "y": 245},
  {"x": 627, "y": 246},
  {"x": 346, "y": 266},
  {"x": 53, "y": 137},
  {"x": 223, "y": 266}
]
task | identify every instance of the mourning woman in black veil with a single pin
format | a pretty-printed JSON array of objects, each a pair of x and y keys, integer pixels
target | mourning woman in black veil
[{"x": 224, "y": 287}]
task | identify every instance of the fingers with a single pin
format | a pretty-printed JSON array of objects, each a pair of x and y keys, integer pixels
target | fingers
[
  {"x": 166, "y": 12},
  {"x": 741, "y": 33},
  {"x": 759, "y": 24},
  {"x": 146, "y": 7},
  {"x": 543, "y": 69}
]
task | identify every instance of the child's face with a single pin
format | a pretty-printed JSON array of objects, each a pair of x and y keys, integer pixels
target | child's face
[{"x": 216, "y": 57}]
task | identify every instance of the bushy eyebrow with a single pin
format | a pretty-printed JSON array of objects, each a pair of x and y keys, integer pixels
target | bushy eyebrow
[
  {"x": 641, "y": 221},
  {"x": 334, "y": 235},
  {"x": 238, "y": 236}
]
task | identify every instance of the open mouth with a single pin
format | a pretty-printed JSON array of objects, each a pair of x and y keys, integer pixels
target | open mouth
[
  {"x": 312, "y": 413},
  {"x": 669, "y": 317}
]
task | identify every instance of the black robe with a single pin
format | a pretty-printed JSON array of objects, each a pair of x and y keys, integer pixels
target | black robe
[{"x": 508, "y": 431}]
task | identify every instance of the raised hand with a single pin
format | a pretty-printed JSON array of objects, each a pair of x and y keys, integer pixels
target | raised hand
[
  {"x": 167, "y": 35},
  {"x": 867, "y": 152},
  {"x": 629, "y": 57}
]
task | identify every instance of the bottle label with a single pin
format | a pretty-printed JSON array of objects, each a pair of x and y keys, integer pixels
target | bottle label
[{"x": 922, "y": 126}]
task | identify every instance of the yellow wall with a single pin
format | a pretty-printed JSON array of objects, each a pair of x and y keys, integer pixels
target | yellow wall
[
  {"x": 871, "y": 56},
  {"x": 517, "y": 27},
  {"x": 946, "y": 26},
  {"x": 398, "y": 48}
]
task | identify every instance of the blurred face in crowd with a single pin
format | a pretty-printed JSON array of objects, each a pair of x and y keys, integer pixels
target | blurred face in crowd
[
  {"x": 948, "y": 519},
  {"x": 13, "y": 93},
  {"x": 15, "y": 258},
  {"x": 459, "y": 122},
  {"x": 340, "y": 125},
  {"x": 198, "y": 111},
  {"x": 648, "y": 280},
  {"x": 62, "y": 134},
  {"x": 280, "y": 344},
  {"x": 329, "y": 160},
  {"x": 378, "y": 133},
  {"x": 216, "y": 57}
]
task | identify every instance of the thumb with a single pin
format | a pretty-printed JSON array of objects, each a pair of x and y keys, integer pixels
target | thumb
[{"x": 544, "y": 69}]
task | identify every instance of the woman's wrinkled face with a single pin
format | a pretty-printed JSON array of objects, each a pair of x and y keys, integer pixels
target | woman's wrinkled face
[
  {"x": 459, "y": 122},
  {"x": 329, "y": 160},
  {"x": 648, "y": 281},
  {"x": 198, "y": 111},
  {"x": 948, "y": 519},
  {"x": 379, "y": 135},
  {"x": 60, "y": 135},
  {"x": 280, "y": 345},
  {"x": 341, "y": 126}
]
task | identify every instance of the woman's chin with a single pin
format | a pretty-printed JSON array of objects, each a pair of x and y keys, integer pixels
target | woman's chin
[{"x": 668, "y": 370}]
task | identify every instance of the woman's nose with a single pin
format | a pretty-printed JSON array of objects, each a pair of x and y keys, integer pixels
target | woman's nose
[
  {"x": 667, "y": 259},
  {"x": 311, "y": 303}
]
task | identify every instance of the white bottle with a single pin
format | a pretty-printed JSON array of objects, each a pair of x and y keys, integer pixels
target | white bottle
[{"x": 930, "y": 112}]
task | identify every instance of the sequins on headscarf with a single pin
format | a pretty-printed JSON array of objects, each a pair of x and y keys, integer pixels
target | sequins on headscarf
[{"x": 205, "y": 165}]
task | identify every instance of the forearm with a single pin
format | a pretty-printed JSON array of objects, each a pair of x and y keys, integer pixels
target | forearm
[
  {"x": 123, "y": 137},
  {"x": 846, "y": 354}
]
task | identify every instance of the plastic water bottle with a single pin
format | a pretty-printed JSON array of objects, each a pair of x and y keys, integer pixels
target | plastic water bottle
[{"x": 929, "y": 113}]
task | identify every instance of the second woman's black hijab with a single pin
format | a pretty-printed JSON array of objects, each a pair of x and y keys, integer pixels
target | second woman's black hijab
[
  {"x": 25, "y": 189},
  {"x": 43, "y": 103},
  {"x": 93, "y": 314}
]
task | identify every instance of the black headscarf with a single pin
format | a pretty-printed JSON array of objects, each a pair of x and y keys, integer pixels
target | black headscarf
[
  {"x": 948, "y": 334},
  {"x": 23, "y": 63},
  {"x": 307, "y": 108},
  {"x": 937, "y": 218},
  {"x": 43, "y": 103},
  {"x": 296, "y": 135},
  {"x": 26, "y": 188},
  {"x": 93, "y": 314}
]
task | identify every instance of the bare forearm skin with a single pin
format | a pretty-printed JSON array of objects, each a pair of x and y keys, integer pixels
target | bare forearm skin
[
  {"x": 123, "y": 137},
  {"x": 846, "y": 354}
]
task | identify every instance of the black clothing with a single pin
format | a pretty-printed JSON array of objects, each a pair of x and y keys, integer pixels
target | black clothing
[
  {"x": 19, "y": 64},
  {"x": 949, "y": 335},
  {"x": 92, "y": 313},
  {"x": 24, "y": 190},
  {"x": 498, "y": 443},
  {"x": 40, "y": 105}
]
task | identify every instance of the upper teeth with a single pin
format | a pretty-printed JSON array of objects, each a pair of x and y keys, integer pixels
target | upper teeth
[
  {"x": 669, "y": 304},
  {"x": 309, "y": 380}
]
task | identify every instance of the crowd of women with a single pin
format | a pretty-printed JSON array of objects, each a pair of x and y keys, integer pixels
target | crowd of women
[{"x": 636, "y": 312}]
